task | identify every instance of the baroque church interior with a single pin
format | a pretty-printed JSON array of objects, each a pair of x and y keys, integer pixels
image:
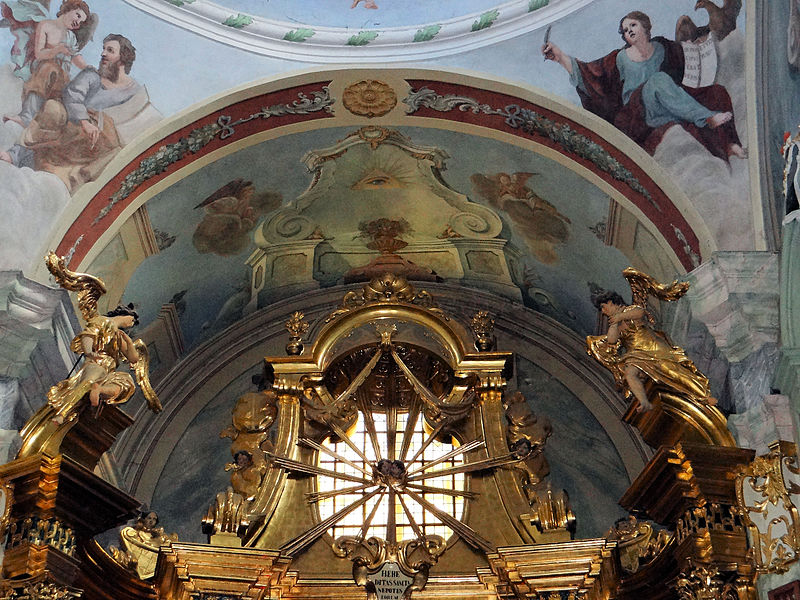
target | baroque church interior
[{"x": 345, "y": 299}]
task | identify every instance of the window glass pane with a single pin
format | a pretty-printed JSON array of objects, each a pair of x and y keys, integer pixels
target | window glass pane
[{"x": 429, "y": 524}]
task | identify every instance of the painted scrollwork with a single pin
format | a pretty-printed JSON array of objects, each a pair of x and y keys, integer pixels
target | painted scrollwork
[
  {"x": 478, "y": 223},
  {"x": 320, "y": 100},
  {"x": 388, "y": 149},
  {"x": 764, "y": 496},
  {"x": 427, "y": 98},
  {"x": 286, "y": 225},
  {"x": 530, "y": 121}
]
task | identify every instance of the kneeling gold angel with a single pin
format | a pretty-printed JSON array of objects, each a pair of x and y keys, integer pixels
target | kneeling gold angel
[
  {"x": 104, "y": 345},
  {"x": 634, "y": 351}
]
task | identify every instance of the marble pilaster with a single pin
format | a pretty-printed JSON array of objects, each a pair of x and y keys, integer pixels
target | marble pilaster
[
  {"x": 37, "y": 324},
  {"x": 735, "y": 294},
  {"x": 787, "y": 376}
]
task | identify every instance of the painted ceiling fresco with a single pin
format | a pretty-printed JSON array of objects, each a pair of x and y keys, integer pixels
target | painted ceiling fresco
[
  {"x": 163, "y": 82},
  {"x": 554, "y": 222}
]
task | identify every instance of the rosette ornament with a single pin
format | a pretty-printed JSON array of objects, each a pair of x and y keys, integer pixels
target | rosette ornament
[{"x": 369, "y": 98}]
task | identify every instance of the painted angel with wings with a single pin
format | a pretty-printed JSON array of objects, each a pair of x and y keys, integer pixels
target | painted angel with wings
[
  {"x": 635, "y": 352},
  {"x": 540, "y": 223},
  {"x": 104, "y": 345},
  {"x": 45, "y": 48}
]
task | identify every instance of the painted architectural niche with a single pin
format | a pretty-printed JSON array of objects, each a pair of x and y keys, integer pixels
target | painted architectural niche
[{"x": 377, "y": 192}]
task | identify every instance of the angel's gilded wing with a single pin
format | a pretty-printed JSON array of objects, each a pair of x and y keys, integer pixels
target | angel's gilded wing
[
  {"x": 89, "y": 288},
  {"x": 606, "y": 354},
  {"x": 142, "y": 372},
  {"x": 642, "y": 286}
]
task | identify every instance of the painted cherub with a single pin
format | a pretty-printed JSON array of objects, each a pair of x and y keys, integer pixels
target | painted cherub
[
  {"x": 538, "y": 221},
  {"x": 44, "y": 49},
  {"x": 230, "y": 214},
  {"x": 648, "y": 354},
  {"x": 104, "y": 345}
]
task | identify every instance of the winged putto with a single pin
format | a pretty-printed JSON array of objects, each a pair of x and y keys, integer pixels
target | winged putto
[
  {"x": 104, "y": 345},
  {"x": 45, "y": 48}
]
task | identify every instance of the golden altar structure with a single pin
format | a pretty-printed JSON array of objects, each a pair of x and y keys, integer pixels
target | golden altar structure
[{"x": 383, "y": 458}]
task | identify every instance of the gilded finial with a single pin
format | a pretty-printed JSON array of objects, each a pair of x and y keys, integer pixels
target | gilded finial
[
  {"x": 297, "y": 328},
  {"x": 482, "y": 325}
]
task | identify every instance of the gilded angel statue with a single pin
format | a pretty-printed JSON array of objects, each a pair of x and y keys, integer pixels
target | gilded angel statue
[
  {"x": 104, "y": 345},
  {"x": 634, "y": 351},
  {"x": 139, "y": 545}
]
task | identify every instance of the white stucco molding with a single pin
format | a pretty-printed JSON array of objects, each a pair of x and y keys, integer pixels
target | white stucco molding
[{"x": 313, "y": 43}]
